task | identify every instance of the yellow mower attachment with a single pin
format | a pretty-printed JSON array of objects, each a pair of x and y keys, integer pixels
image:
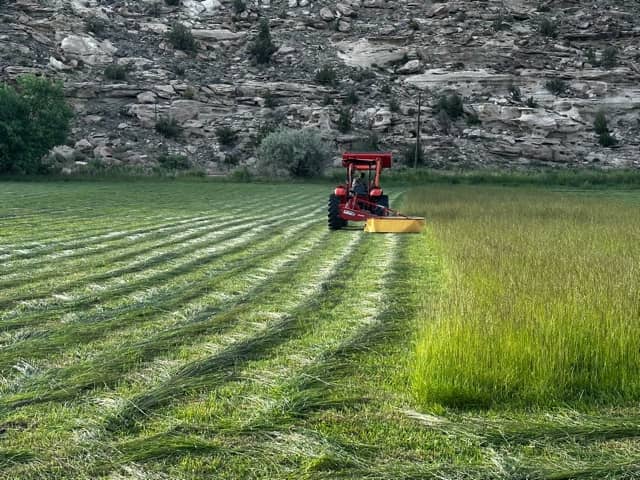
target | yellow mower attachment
[{"x": 394, "y": 224}]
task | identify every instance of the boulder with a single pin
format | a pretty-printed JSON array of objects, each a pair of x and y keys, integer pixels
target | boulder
[
  {"x": 363, "y": 53},
  {"x": 326, "y": 14},
  {"x": 88, "y": 49},
  {"x": 412, "y": 66}
]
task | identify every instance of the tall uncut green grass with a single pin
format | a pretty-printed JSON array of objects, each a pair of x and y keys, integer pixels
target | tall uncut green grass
[{"x": 540, "y": 302}]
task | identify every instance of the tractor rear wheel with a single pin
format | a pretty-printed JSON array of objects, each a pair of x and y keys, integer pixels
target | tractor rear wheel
[{"x": 333, "y": 213}]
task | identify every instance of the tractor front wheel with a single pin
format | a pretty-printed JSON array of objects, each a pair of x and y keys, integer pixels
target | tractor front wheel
[{"x": 333, "y": 208}]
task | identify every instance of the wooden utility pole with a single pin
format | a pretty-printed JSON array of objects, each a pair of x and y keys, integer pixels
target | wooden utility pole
[{"x": 418, "y": 150}]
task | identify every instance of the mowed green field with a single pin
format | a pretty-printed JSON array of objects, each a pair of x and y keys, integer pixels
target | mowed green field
[{"x": 210, "y": 330}]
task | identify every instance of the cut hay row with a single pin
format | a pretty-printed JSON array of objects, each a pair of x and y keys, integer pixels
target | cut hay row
[
  {"x": 189, "y": 281},
  {"x": 195, "y": 253},
  {"x": 211, "y": 314}
]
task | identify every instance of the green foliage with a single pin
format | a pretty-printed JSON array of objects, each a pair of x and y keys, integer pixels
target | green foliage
[
  {"x": 557, "y": 86},
  {"x": 181, "y": 38},
  {"x": 386, "y": 88},
  {"x": 115, "y": 72},
  {"x": 531, "y": 102},
  {"x": 414, "y": 25},
  {"x": 601, "y": 128},
  {"x": 33, "y": 118},
  {"x": 269, "y": 99},
  {"x": 344, "y": 120},
  {"x": 516, "y": 94},
  {"x": 352, "y": 97},
  {"x": 174, "y": 162},
  {"x": 172, "y": 3},
  {"x": 262, "y": 48},
  {"x": 473, "y": 119},
  {"x": 239, "y": 6},
  {"x": 610, "y": 57},
  {"x": 296, "y": 153},
  {"x": 548, "y": 27},
  {"x": 168, "y": 126},
  {"x": 409, "y": 154},
  {"x": 189, "y": 93},
  {"x": 242, "y": 175},
  {"x": 451, "y": 105},
  {"x": 394, "y": 105},
  {"x": 326, "y": 75},
  {"x": 226, "y": 135},
  {"x": 95, "y": 25}
]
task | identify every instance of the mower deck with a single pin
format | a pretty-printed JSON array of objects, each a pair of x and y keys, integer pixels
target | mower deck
[{"x": 394, "y": 224}]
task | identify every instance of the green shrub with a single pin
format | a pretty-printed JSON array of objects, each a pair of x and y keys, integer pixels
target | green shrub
[
  {"x": 34, "y": 117},
  {"x": 531, "y": 102},
  {"x": 601, "y": 128},
  {"x": 95, "y": 25},
  {"x": 115, "y": 72},
  {"x": 360, "y": 75},
  {"x": 557, "y": 86},
  {"x": 548, "y": 28},
  {"x": 473, "y": 119},
  {"x": 181, "y": 38},
  {"x": 226, "y": 135},
  {"x": 409, "y": 154},
  {"x": 174, "y": 162},
  {"x": 394, "y": 105},
  {"x": 241, "y": 174},
  {"x": 263, "y": 130},
  {"x": 293, "y": 152},
  {"x": 326, "y": 75},
  {"x": 344, "y": 120},
  {"x": 168, "y": 126},
  {"x": 386, "y": 89},
  {"x": 451, "y": 105},
  {"x": 414, "y": 25},
  {"x": 239, "y": 6},
  {"x": 269, "y": 99},
  {"x": 189, "y": 93},
  {"x": 516, "y": 94},
  {"x": 262, "y": 47},
  {"x": 591, "y": 57},
  {"x": 172, "y": 3},
  {"x": 352, "y": 97},
  {"x": 610, "y": 57}
]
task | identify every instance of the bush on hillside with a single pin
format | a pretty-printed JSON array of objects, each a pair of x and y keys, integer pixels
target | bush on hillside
[
  {"x": 34, "y": 117},
  {"x": 601, "y": 128},
  {"x": 181, "y": 38},
  {"x": 291, "y": 152},
  {"x": 262, "y": 47},
  {"x": 451, "y": 105},
  {"x": 169, "y": 127}
]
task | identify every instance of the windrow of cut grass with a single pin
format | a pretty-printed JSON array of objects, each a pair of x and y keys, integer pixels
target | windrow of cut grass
[{"x": 540, "y": 300}]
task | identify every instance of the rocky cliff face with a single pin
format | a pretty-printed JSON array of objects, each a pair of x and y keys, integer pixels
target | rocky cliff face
[{"x": 497, "y": 55}]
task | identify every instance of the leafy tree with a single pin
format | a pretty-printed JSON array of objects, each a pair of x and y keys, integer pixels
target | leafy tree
[
  {"x": 34, "y": 117},
  {"x": 292, "y": 152},
  {"x": 262, "y": 47},
  {"x": 601, "y": 127}
]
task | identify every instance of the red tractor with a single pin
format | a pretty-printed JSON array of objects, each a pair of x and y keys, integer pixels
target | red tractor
[{"x": 361, "y": 197}]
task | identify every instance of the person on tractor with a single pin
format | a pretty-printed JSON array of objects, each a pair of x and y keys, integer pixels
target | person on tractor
[{"x": 359, "y": 186}]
